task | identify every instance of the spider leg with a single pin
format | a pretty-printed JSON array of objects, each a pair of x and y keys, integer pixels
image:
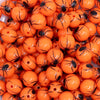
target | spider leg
[
  {"x": 10, "y": 98},
  {"x": 80, "y": 29},
  {"x": 1, "y": 90},
  {"x": 19, "y": 16},
  {"x": 52, "y": 58},
  {"x": 48, "y": 31},
  {"x": 67, "y": 43},
  {"x": 34, "y": 83},
  {"x": 52, "y": 68},
  {"x": 82, "y": 53},
  {"x": 44, "y": 8},
  {"x": 48, "y": 8},
  {"x": 29, "y": 90},
  {"x": 23, "y": 27},
  {"x": 59, "y": 56},
  {"x": 33, "y": 96},
  {"x": 61, "y": 44},
  {"x": 53, "y": 55},
  {"x": 56, "y": 76},
  {"x": 94, "y": 17},
  {"x": 72, "y": 68},
  {"x": 9, "y": 68},
  {"x": 19, "y": 87}
]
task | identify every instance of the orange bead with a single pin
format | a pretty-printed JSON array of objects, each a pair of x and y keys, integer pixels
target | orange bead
[
  {"x": 78, "y": 95},
  {"x": 13, "y": 54},
  {"x": 61, "y": 21},
  {"x": 54, "y": 73},
  {"x": 91, "y": 27},
  {"x": 93, "y": 47},
  {"x": 36, "y": 9},
  {"x": 69, "y": 65},
  {"x": 8, "y": 35},
  {"x": 23, "y": 52},
  {"x": 30, "y": 78},
  {"x": 43, "y": 80},
  {"x": 86, "y": 70},
  {"x": 74, "y": 19},
  {"x": 54, "y": 89},
  {"x": 62, "y": 6},
  {"x": 14, "y": 86},
  {"x": 81, "y": 33},
  {"x": 28, "y": 62},
  {"x": 98, "y": 28},
  {"x": 28, "y": 94},
  {"x": 66, "y": 96},
  {"x": 21, "y": 74},
  {"x": 45, "y": 32},
  {"x": 7, "y": 69},
  {"x": 2, "y": 61},
  {"x": 47, "y": 7},
  {"x": 66, "y": 42},
  {"x": 20, "y": 38},
  {"x": 87, "y": 4},
  {"x": 96, "y": 58},
  {"x": 8, "y": 96},
  {"x": 42, "y": 94},
  {"x": 83, "y": 54},
  {"x": 2, "y": 50},
  {"x": 87, "y": 87},
  {"x": 30, "y": 45},
  {"x": 6, "y": 7},
  {"x": 20, "y": 15},
  {"x": 50, "y": 20},
  {"x": 94, "y": 15},
  {"x": 44, "y": 44},
  {"x": 38, "y": 21},
  {"x": 71, "y": 82},
  {"x": 54, "y": 56},
  {"x": 41, "y": 60},
  {"x": 37, "y": 87},
  {"x": 27, "y": 29}
]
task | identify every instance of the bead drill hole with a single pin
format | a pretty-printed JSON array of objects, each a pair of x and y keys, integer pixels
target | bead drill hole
[
  {"x": 28, "y": 96},
  {"x": 7, "y": 32},
  {"x": 28, "y": 47},
  {"x": 11, "y": 86},
  {"x": 27, "y": 32},
  {"x": 54, "y": 89},
  {"x": 28, "y": 62},
  {"x": 73, "y": 15}
]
